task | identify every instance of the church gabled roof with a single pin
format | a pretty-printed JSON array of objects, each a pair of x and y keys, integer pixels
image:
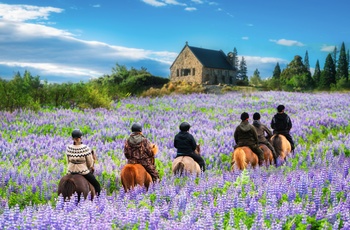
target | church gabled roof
[
  {"x": 215, "y": 59},
  {"x": 211, "y": 58}
]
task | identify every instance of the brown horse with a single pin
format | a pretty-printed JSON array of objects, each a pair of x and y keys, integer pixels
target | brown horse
[
  {"x": 135, "y": 174},
  {"x": 186, "y": 164},
  {"x": 282, "y": 147},
  {"x": 76, "y": 183},
  {"x": 243, "y": 156}
]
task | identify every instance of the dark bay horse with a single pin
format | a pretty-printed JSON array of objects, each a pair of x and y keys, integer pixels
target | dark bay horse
[
  {"x": 186, "y": 165},
  {"x": 282, "y": 147},
  {"x": 135, "y": 174},
  {"x": 76, "y": 183},
  {"x": 243, "y": 156}
]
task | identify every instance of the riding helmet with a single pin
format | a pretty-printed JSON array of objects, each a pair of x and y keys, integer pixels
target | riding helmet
[
  {"x": 280, "y": 108},
  {"x": 185, "y": 126},
  {"x": 244, "y": 116},
  {"x": 136, "y": 127},
  {"x": 77, "y": 133},
  {"x": 256, "y": 116}
]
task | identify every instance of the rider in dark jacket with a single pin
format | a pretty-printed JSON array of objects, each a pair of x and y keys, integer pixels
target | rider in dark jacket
[
  {"x": 138, "y": 150},
  {"x": 246, "y": 135},
  {"x": 282, "y": 124},
  {"x": 261, "y": 129},
  {"x": 186, "y": 145}
]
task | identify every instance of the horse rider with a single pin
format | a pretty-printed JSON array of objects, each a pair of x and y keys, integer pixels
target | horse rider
[
  {"x": 138, "y": 150},
  {"x": 246, "y": 135},
  {"x": 261, "y": 129},
  {"x": 80, "y": 160},
  {"x": 282, "y": 124},
  {"x": 185, "y": 144}
]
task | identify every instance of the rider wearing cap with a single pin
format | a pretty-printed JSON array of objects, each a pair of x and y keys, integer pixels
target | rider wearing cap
[
  {"x": 185, "y": 144},
  {"x": 138, "y": 150},
  {"x": 246, "y": 135},
  {"x": 80, "y": 160},
  {"x": 282, "y": 124}
]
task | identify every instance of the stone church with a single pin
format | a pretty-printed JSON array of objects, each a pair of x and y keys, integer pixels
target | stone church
[{"x": 203, "y": 66}]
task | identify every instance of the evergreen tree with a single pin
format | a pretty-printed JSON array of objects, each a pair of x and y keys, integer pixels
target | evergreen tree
[
  {"x": 235, "y": 58},
  {"x": 277, "y": 72},
  {"x": 243, "y": 72},
  {"x": 317, "y": 74},
  {"x": 306, "y": 61},
  {"x": 335, "y": 51},
  {"x": 256, "y": 79},
  {"x": 328, "y": 73},
  {"x": 343, "y": 65}
]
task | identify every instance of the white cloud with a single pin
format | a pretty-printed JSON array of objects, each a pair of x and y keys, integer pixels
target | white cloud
[
  {"x": 21, "y": 13},
  {"x": 190, "y": 8},
  {"x": 157, "y": 3},
  {"x": 285, "y": 42},
  {"x": 327, "y": 48},
  {"x": 198, "y": 1},
  {"x": 265, "y": 65},
  {"x": 96, "y": 5},
  {"x": 249, "y": 24},
  {"x": 213, "y": 3},
  {"x": 245, "y": 38},
  {"x": 45, "y": 49},
  {"x": 154, "y": 3}
]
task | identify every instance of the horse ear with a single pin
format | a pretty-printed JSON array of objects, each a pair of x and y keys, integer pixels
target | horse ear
[{"x": 154, "y": 149}]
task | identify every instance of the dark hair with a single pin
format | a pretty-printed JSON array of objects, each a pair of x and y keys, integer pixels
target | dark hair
[
  {"x": 244, "y": 116},
  {"x": 77, "y": 133},
  {"x": 256, "y": 116},
  {"x": 280, "y": 108},
  {"x": 185, "y": 126},
  {"x": 136, "y": 127}
]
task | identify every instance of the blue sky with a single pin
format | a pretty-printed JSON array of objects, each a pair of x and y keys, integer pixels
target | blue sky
[{"x": 77, "y": 40}]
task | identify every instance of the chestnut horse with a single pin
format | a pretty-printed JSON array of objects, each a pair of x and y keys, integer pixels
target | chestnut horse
[
  {"x": 76, "y": 183},
  {"x": 135, "y": 174},
  {"x": 186, "y": 164},
  {"x": 282, "y": 147},
  {"x": 243, "y": 156}
]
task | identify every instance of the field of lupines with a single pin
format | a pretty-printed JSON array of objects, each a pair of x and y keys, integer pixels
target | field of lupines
[{"x": 311, "y": 191}]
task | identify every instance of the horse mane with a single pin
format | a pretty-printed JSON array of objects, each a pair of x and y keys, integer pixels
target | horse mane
[{"x": 277, "y": 144}]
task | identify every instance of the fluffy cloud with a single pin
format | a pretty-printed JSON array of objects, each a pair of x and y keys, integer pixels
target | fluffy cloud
[
  {"x": 327, "y": 48},
  {"x": 21, "y": 13},
  {"x": 285, "y": 42}
]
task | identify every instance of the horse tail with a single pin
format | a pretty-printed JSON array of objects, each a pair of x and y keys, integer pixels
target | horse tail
[
  {"x": 240, "y": 158},
  {"x": 179, "y": 169},
  {"x": 68, "y": 188},
  {"x": 277, "y": 144}
]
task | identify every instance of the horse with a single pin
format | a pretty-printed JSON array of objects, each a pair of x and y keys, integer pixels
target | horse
[
  {"x": 242, "y": 156},
  {"x": 186, "y": 164},
  {"x": 282, "y": 147},
  {"x": 76, "y": 183},
  {"x": 135, "y": 174}
]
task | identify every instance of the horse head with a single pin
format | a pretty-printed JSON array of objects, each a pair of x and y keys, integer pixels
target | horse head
[{"x": 198, "y": 150}]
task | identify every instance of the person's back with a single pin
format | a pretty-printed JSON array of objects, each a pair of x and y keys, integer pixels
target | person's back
[
  {"x": 246, "y": 135},
  {"x": 185, "y": 144},
  {"x": 138, "y": 150},
  {"x": 264, "y": 134},
  {"x": 282, "y": 124},
  {"x": 80, "y": 160}
]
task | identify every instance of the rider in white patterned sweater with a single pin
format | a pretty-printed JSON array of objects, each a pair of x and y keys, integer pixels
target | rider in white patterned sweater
[{"x": 80, "y": 160}]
